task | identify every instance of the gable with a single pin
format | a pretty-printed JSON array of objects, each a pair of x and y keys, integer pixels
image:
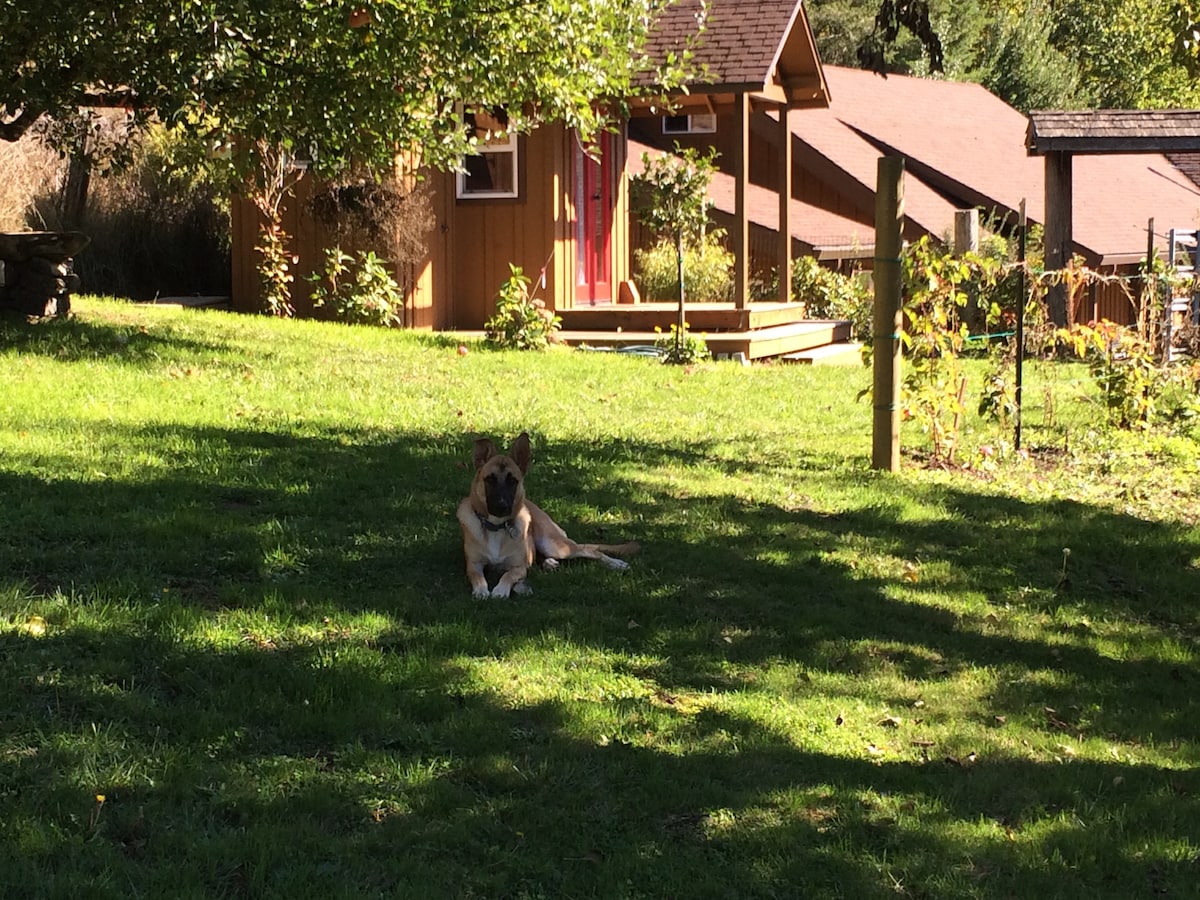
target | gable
[{"x": 758, "y": 47}]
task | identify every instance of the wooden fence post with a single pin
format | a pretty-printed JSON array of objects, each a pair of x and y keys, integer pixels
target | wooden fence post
[{"x": 889, "y": 218}]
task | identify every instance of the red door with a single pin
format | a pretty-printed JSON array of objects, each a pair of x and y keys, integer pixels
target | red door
[{"x": 593, "y": 225}]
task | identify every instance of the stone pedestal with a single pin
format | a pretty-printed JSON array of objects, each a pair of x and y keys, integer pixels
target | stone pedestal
[{"x": 37, "y": 277}]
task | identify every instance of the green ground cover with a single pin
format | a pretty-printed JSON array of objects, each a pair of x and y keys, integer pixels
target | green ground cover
[{"x": 239, "y": 656}]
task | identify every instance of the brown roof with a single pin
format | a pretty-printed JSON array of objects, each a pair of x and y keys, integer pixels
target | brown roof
[
  {"x": 1187, "y": 163},
  {"x": 1113, "y": 130},
  {"x": 967, "y": 146},
  {"x": 745, "y": 45}
]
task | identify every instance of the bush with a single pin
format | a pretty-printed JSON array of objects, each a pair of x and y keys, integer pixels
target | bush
[
  {"x": 832, "y": 295},
  {"x": 159, "y": 223},
  {"x": 521, "y": 322},
  {"x": 707, "y": 270},
  {"x": 680, "y": 348},
  {"x": 359, "y": 289},
  {"x": 31, "y": 169}
]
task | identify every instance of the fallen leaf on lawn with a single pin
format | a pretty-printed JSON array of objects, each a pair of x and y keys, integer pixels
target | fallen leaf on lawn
[
  {"x": 912, "y": 573},
  {"x": 872, "y": 750},
  {"x": 35, "y": 626},
  {"x": 890, "y": 722}
]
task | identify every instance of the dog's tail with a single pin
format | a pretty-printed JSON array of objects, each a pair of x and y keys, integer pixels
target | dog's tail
[{"x": 629, "y": 548}]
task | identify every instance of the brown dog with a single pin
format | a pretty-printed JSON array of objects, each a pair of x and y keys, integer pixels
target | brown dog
[{"x": 503, "y": 530}]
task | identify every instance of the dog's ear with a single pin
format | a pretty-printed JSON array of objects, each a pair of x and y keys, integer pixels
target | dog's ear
[
  {"x": 520, "y": 452},
  {"x": 484, "y": 450}
]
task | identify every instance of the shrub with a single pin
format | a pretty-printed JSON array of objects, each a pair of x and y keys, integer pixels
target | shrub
[
  {"x": 359, "y": 289},
  {"x": 363, "y": 209},
  {"x": 521, "y": 321},
  {"x": 159, "y": 224},
  {"x": 31, "y": 169},
  {"x": 832, "y": 295},
  {"x": 678, "y": 347},
  {"x": 707, "y": 270}
]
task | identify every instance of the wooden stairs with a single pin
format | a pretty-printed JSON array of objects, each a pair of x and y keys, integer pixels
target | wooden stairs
[{"x": 757, "y": 331}]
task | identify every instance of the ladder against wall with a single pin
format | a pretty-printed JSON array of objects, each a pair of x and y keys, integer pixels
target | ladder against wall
[{"x": 1183, "y": 307}]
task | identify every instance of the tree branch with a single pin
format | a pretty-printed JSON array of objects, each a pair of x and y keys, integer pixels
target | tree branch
[{"x": 17, "y": 126}]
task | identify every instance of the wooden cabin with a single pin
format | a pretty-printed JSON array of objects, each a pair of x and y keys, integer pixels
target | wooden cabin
[{"x": 539, "y": 201}]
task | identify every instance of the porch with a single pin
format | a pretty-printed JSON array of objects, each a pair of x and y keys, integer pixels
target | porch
[{"x": 756, "y": 330}]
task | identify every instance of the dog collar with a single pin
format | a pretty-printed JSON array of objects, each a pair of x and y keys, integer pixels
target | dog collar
[{"x": 508, "y": 525}]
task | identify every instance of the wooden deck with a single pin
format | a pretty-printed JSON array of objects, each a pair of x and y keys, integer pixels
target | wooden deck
[{"x": 758, "y": 331}]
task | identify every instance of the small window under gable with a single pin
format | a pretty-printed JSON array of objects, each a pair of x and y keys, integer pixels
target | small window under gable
[
  {"x": 491, "y": 172},
  {"x": 697, "y": 123}
]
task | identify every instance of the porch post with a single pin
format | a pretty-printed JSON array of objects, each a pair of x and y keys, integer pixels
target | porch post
[
  {"x": 741, "y": 229},
  {"x": 1058, "y": 229},
  {"x": 785, "y": 205}
]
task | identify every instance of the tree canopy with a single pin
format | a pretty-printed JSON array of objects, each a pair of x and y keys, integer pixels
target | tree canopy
[
  {"x": 1035, "y": 54},
  {"x": 337, "y": 79}
]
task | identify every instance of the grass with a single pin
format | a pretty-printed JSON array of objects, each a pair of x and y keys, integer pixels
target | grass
[{"x": 241, "y": 659}]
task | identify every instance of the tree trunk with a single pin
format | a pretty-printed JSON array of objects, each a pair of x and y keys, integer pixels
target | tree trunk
[
  {"x": 73, "y": 201},
  {"x": 681, "y": 321}
]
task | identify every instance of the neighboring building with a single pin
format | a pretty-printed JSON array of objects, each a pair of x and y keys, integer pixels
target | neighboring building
[{"x": 963, "y": 148}]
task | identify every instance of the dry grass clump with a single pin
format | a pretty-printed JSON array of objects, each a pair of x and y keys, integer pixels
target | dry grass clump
[{"x": 29, "y": 170}]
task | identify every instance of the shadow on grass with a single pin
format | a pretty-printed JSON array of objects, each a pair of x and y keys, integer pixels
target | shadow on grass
[
  {"x": 72, "y": 339},
  {"x": 347, "y": 767}
]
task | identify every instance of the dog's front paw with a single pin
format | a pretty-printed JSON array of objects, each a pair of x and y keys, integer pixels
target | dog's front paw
[
  {"x": 549, "y": 564},
  {"x": 500, "y": 591},
  {"x": 480, "y": 593}
]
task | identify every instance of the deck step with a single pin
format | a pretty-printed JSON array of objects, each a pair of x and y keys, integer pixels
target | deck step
[
  {"x": 759, "y": 343},
  {"x": 843, "y": 353}
]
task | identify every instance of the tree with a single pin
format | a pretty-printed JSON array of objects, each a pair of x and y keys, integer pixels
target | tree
[
  {"x": 1137, "y": 54},
  {"x": 329, "y": 82},
  {"x": 1034, "y": 54},
  {"x": 671, "y": 199}
]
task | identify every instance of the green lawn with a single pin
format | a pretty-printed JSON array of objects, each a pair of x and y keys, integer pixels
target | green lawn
[{"x": 232, "y": 606}]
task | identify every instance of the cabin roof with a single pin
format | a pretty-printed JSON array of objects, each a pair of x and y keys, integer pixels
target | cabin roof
[
  {"x": 1187, "y": 163},
  {"x": 746, "y": 46}
]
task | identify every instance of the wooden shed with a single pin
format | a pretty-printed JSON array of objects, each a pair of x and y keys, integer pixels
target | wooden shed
[{"x": 547, "y": 204}]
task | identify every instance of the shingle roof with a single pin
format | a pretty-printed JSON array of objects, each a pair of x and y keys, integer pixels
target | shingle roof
[
  {"x": 967, "y": 145},
  {"x": 1113, "y": 130},
  {"x": 1187, "y": 163},
  {"x": 741, "y": 42}
]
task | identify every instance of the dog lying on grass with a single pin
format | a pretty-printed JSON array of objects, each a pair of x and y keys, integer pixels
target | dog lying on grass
[{"x": 505, "y": 531}]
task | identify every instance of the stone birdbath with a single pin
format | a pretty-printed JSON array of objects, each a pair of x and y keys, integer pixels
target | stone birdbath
[{"x": 37, "y": 274}]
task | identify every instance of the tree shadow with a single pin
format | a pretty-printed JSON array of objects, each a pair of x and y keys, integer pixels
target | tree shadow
[
  {"x": 344, "y": 767},
  {"x": 72, "y": 339}
]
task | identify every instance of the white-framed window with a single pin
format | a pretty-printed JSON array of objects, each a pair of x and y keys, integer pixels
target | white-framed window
[
  {"x": 697, "y": 123},
  {"x": 491, "y": 172}
]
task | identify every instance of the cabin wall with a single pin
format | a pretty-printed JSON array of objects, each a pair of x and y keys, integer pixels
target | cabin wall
[
  {"x": 307, "y": 243},
  {"x": 471, "y": 243},
  {"x": 531, "y": 232}
]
